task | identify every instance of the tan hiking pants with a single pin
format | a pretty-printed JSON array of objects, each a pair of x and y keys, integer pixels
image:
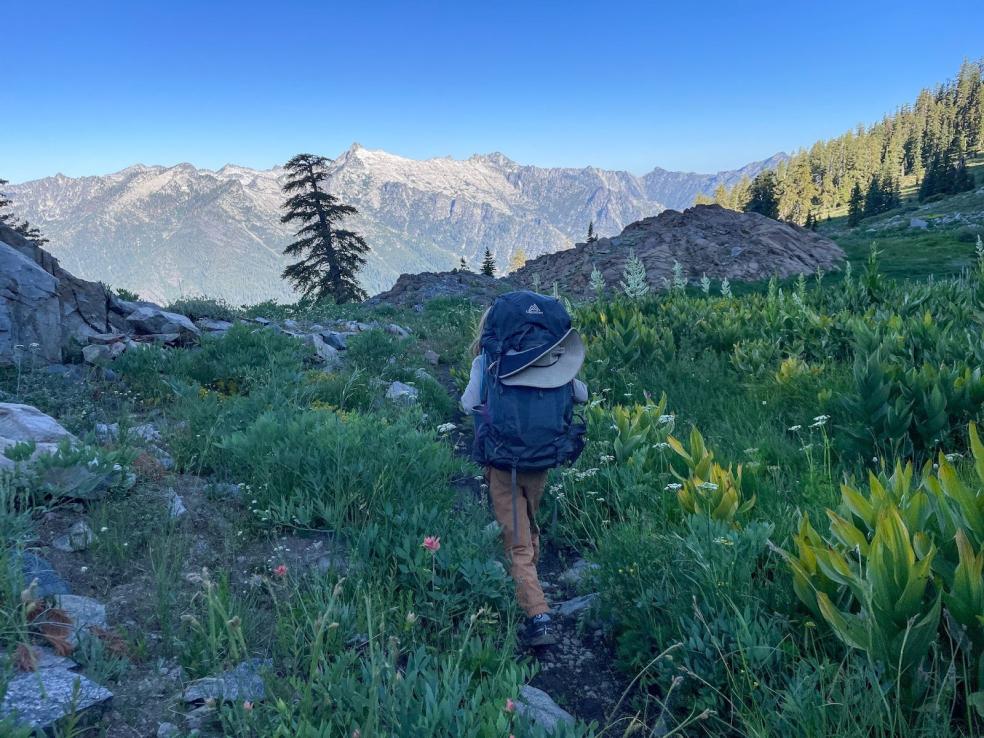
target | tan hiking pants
[{"x": 523, "y": 549}]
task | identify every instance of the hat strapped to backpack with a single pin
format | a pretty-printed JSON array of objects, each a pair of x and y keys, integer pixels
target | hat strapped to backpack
[{"x": 531, "y": 355}]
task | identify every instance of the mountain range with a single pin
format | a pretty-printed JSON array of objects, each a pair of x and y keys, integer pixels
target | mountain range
[{"x": 166, "y": 232}]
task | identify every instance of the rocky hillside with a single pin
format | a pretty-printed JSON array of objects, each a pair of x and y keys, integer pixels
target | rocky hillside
[
  {"x": 705, "y": 239},
  {"x": 167, "y": 232}
]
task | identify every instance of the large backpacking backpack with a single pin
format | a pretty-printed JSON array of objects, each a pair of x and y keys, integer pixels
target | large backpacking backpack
[{"x": 519, "y": 427}]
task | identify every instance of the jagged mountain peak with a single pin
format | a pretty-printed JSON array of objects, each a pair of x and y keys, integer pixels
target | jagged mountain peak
[{"x": 168, "y": 231}]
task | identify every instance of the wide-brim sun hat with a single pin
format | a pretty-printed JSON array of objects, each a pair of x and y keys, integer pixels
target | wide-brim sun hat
[{"x": 545, "y": 366}]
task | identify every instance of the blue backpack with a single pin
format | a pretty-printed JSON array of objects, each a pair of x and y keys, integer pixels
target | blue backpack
[{"x": 518, "y": 427}]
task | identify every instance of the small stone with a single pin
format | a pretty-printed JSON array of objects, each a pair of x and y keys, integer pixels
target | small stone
[
  {"x": 576, "y": 605},
  {"x": 432, "y": 357},
  {"x": 167, "y": 730},
  {"x": 578, "y": 571},
  {"x": 403, "y": 393},
  {"x": 96, "y": 353},
  {"x": 78, "y": 538},
  {"x": 235, "y": 685},
  {"x": 394, "y": 330},
  {"x": 918, "y": 223},
  {"x": 175, "y": 506},
  {"x": 227, "y": 489}
]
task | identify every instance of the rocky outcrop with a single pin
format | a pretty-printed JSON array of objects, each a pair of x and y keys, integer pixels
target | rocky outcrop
[
  {"x": 78, "y": 309},
  {"x": 704, "y": 240},
  {"x": 30, "y": 313},
  {"x": 417, "y": 289}
]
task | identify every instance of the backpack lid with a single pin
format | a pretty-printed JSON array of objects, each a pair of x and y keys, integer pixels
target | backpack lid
[{"x": 522, "y": 327}]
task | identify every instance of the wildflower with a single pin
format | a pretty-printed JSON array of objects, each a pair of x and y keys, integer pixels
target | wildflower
[
  {"x": 664, "y": 419},
  {"x": 708, "y": 485},
  {"x": 431, "y": 543},
  {"x": 411, "y": 618},
  {"x": 954, "y": 456},
  {"x": 821, "y": 419},
  {"x": 661, "y": 445},
  {"x": 84, "y": 569},
  {"x": 510, "y": 705},
  {"x": 807, "y": 447},
  {"x": 103, "y": 529},
  {"x": 751, "y": 451},
  {"x": 446, "y": 427},
  {"x": 93, "y": 463},
  {"x": 356, "y": 733},
  {"x": 795, "y": 428},
  {"x": 673, "y": 486},
  {"x": 247, "y": 705},
  {"x": 722, "y": 541},
  {"x": 605, "y": 458},
  {"x": 280, "y": 570}
]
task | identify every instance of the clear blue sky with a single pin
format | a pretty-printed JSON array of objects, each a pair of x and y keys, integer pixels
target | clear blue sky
[{"x": 89, "y": 88}]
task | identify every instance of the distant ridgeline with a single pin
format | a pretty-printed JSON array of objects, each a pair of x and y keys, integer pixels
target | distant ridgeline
[{"x": 927, "y": 144}]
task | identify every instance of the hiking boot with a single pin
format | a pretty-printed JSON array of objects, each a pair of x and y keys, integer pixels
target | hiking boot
[{"x": 538, "y": 631}]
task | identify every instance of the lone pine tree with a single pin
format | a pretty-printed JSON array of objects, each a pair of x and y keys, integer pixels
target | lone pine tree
[
  {"x": 332, "y": 256},
  {"x": 488, "y": 264},
  {"x": 592, "y": 237}
]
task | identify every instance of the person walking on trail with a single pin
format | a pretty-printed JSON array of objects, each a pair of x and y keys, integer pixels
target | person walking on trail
[{"x": 521, "y": 393}]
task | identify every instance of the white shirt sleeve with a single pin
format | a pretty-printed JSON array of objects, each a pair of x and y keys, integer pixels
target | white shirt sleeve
[{"x": 472, "y": 396}]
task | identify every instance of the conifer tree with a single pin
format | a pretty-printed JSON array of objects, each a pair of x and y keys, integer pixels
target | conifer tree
[
  {"x": 31, "y": 233},
  {"x": 488, "y": 264},
  {"x": 764, "y": 195},
  {"x": 332, "y": 256},
  {"x": 592, "y": 237},
  {"x": 855, "y": 207},
  {"x": 463, "y": 265},
  {"x": 5, "y": 217}
]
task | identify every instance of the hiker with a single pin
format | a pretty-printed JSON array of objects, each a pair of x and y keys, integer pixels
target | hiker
[{"x": 522, "y": 392}]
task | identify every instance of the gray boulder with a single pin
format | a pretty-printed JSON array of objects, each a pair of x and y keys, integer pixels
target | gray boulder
[
  {"x": 43, "y": 698},
  {"x": 212, "y": 325},
  {"x": 77, "y": 482},
  {"x": 335, "y": 340},
  {"x": 152, "y": 321},
  {"x": 538, "y": 707},
  {"x": 30, "y": 314},
  {"x": 85, "y": 308},
  {"x": 918, "y": 223},
  {"x": 85, "y": 613},
  {"x": 34, "y": 568},
  {"x": 27, "y": 424},
  {"x": 327, "y": 353}
]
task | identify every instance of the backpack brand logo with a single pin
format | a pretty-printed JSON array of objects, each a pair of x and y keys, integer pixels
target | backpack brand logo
[{"x": 534, "y": 309}]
